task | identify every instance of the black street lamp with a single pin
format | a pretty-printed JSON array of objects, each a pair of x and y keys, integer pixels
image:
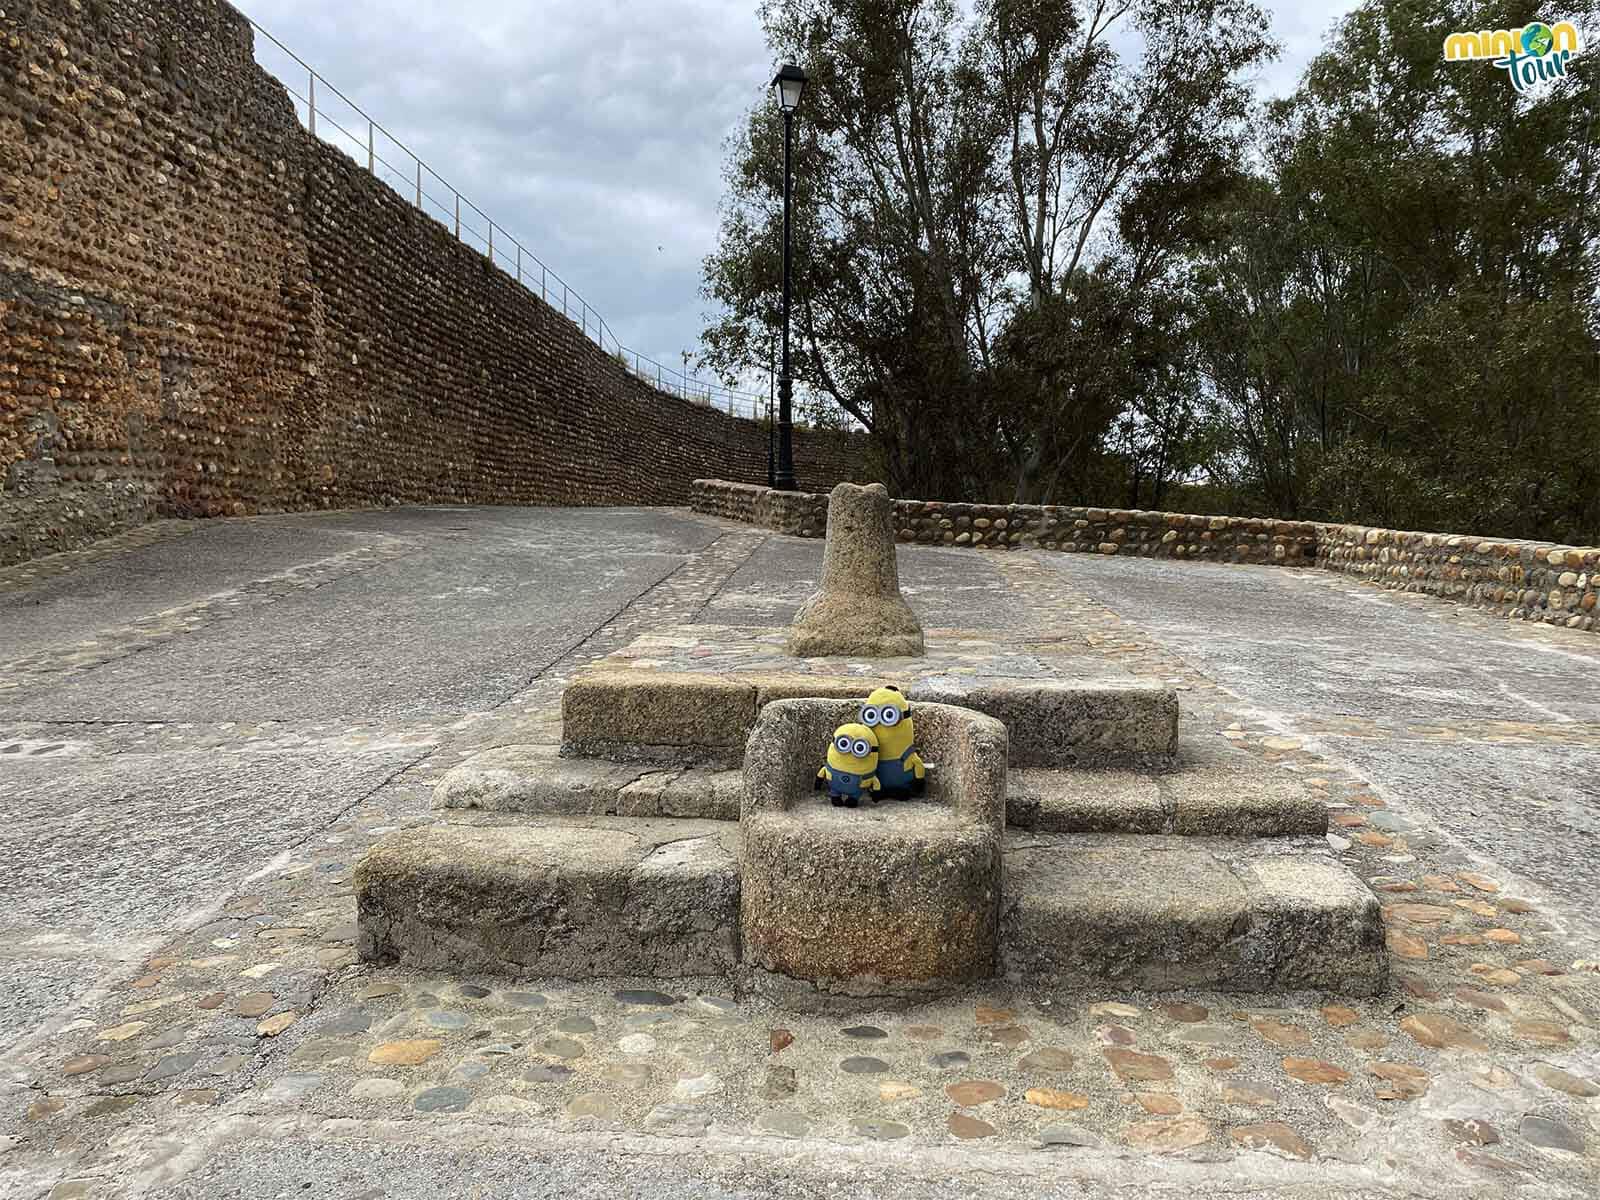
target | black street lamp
[
  {"x": 789, "y": 83},
  {"x": 772, "y": 419}
]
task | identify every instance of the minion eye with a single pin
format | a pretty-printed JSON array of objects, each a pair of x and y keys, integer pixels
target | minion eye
[
  {"x": 843, "y": 742},
  {"x": 861, "y": 747},
  {"x": 889, "y": 716},
  {"x": 869, "y": 715}
]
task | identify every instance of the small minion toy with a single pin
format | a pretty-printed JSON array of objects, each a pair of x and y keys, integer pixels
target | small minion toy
[
  {"x": 852, "y": 765},
  {"x": 901, "y": 771}
]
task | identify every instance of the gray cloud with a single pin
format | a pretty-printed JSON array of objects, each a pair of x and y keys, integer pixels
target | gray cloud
[{"x": 592, "y": 130}]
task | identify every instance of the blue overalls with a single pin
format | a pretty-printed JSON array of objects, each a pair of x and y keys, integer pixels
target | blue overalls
[
  {"x": 842, "y": 784},
  {"x": 894, "y": 775}
]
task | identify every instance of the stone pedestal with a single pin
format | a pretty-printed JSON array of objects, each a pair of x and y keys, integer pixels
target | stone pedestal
[
  {"x": 859, "y": 609},
  {"x": 899, "y": 899}
]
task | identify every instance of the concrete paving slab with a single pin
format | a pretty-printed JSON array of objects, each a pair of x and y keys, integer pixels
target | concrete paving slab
[
  {"x": 404, "y": 624},
  {"x": 111, "y": 846},
  {"x": 1534, "y": 808},
  {"x": 1375, "y": 652}
]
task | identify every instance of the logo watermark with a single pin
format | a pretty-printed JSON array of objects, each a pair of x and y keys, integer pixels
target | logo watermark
[{"x": 1531, "y": 55}]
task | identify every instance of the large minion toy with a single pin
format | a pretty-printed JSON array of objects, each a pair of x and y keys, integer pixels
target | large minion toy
[
  {"x": 901, "y": 771},
  {"x": 852, "y": 765}
]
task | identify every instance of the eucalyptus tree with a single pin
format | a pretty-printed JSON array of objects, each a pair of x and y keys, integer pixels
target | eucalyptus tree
[
  {"x": 1400, "y": 319},
  {"x": 953, "y": 173}
]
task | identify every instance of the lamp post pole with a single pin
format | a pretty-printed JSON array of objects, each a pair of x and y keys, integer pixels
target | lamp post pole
[
  {"x": 772, "y": 423},
  {"x": 790, "y": 82}
]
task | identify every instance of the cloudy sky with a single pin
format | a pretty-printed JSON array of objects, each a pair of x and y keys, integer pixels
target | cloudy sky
[{"x": 592, "y": 130}]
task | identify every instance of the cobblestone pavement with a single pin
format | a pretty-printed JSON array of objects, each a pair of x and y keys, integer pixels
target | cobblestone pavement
[{"x": 187, "y": 792}]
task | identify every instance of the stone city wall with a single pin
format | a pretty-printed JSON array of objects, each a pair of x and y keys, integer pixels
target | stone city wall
[
  {"x": 1047, "y": 527},
  {"x": 207, "y": 311}
]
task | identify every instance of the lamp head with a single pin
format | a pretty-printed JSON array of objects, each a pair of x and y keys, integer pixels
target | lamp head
[{"x": 789, "y": 82}]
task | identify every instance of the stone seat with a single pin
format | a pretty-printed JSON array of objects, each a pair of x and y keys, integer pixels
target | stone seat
[
  {"x": 1161, "y": 913},
  {"x": 572, "y": 898},
  {"x": 894, "y": 899}
]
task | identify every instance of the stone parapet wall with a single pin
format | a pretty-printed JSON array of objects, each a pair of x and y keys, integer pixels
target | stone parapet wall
[
  {"x": 730, "y": 501},
  {"x": 804, "y": 514},
  {"x": 207, "y": 311},
  {"x": 154, "y": 288},
  {"x": 1047, "y": 527},
  {"x": 473, "y": 390},
  {"x": 1532, "y": 581},
  {"x": 1106, "y": 531}
]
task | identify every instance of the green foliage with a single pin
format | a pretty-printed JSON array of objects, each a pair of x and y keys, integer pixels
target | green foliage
[
  {"x": 945, "y": 168},
  {"x": 1399, "y": 323},
  {"x": 1056, "y": 252}
]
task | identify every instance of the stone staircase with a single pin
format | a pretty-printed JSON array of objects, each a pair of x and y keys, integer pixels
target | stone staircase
[{"x": 1128, "y": 854}]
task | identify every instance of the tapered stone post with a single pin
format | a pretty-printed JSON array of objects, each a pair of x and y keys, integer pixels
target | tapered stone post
[{"x": 859, "y": 609}]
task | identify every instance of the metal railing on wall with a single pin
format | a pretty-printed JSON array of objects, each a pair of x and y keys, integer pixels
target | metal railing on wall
[{"x": 327, "y": 114}]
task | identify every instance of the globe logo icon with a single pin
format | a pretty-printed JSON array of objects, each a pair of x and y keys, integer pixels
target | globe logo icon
[{"x": 1537, "y": 39}]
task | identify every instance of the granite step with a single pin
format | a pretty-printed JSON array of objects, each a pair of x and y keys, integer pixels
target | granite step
[
  {"x": 566, "y": 897},
  {"x": 536, "y": 781},
  {"x": 1162, "y": 913},
  {"x": 673, "y": 718},
  {"x": 608, "y": 897},
  {"x": 1211, "y": 790}
]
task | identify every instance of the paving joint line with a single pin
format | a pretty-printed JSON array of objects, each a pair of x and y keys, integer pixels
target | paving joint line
[{"x": 148, "y": 632}]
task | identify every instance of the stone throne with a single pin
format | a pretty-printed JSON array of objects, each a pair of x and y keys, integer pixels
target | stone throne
[
  {"x": 673, "y": 830},
  {"x": 897, "y": 899}
]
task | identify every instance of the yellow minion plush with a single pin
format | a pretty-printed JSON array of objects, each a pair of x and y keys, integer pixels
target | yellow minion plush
[
  {"x": 852, "y": 765},
  {"x": 901, "y": 771}
]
